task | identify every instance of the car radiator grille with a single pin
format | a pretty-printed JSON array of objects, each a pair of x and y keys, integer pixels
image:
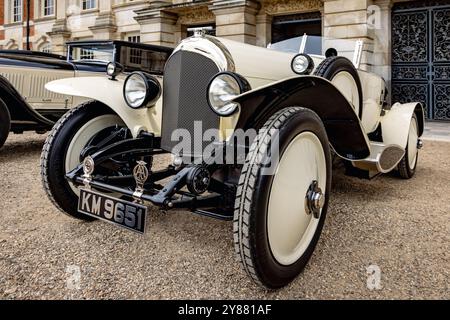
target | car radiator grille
[{"x": 186, "y": 78}]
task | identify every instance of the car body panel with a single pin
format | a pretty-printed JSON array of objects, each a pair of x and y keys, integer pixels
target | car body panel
[
  {"x": 373, "y": 91},
  {"x": 395, "y": 124},
  {"x": 30, "y": 83},
  {"x": 22, "y": 115}
]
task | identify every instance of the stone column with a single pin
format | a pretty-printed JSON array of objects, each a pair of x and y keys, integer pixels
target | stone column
[
  {"x": 236, "y": 19},
  {"x": 60, "y": 34},
  {"x": 105, "y": 24},
  {"x": 263, "y": 29},
  {"x": 345, "y": 19},
  {"x": 382, "y": 37},
  {"x": 157, "y": 26}
]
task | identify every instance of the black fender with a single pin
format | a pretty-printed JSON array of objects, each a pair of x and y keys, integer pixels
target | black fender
[
  {"x": 345, "y": 132},
  {"x": 21, "y": 113}
]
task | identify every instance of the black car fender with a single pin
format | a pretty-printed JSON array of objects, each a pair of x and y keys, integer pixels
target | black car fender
[
  {"x": 20, "y": 111},
  {"x": 344, "y": 129}
]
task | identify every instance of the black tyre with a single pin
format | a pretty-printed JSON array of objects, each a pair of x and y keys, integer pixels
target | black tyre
[
  {"x": 62, "y": 151},
  {"x": 408, "y": 164},
  {"x": 5, "y": 123},
  {"x": 335, "y": 70},
  {"x": 274, "y": 233}
]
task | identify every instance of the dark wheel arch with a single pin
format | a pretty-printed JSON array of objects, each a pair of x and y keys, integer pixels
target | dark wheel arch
[
  {"x": 5, "y": 122},
  {"x": 339, "y": 118}
]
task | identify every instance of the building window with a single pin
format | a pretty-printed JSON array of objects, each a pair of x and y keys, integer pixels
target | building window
[
  {"x": 135, "y": 54},
  {"x": 296, "y": 25},
  {"x": 86, "y": 54},
  {"x": 49, "y": 7},
  {"x": 134, "y": 39},
  {"x": 17, "y": 10},
  {"x": 46, "y": 47},
  {"x": 89, "y": 4}
]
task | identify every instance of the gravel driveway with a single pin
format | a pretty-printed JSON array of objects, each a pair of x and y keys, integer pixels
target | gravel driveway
[{"x": 400, "y": 228}]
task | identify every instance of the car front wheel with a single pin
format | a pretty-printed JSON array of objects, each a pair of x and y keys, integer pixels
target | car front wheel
[
  {"x": 280, "y": 210},
  {"x": 80, "y": 132}
]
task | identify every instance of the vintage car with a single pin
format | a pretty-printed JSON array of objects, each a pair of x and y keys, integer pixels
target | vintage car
[
  {"x": 252, "y": 132},
  {"x": 25, "y": 104}
]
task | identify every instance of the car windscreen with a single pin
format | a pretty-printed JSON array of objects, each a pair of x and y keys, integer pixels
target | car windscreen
[
  {"x": 316, "y": 45},
  {"x": 143, "y": 59},
  {"x": 93, "y": 53}
]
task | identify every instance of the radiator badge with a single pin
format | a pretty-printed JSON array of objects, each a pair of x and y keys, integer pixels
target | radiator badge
[{"x": 140, "y": 173}]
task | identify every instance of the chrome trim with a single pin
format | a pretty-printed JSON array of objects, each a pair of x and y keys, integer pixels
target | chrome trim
[
  {"x": 314, "y": 200},
  {"x": 303, "y": 43},
  {"x": 88, "y": 170},
  {"x": 419, "y": 144},
  {"x": 140, "y": 174},
  {"x": 358, "y": 53},
  {"x": 209, "y": 47}
]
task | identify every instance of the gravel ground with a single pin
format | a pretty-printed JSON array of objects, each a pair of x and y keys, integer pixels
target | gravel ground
[{"x": 402, "y": 227}]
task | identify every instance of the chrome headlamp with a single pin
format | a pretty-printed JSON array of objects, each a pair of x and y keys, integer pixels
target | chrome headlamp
[
  {"x": 141, "y": 89},
  {"x": 302, "y": 64},
  {"x": 113, "y": 70},
  {"x": 222, "y": 89}
]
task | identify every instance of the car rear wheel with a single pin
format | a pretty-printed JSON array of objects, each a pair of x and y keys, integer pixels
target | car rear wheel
[
  {"x": 279, "y": 215},
  {"x": 5, "y": 123},
  {"x": 342, "y": 73},
  {"x": 408, "y": 164},
  {"x": 77, "y": 130}
]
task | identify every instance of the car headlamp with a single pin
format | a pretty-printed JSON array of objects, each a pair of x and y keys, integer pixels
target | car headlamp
[
  {"x": 222, "y": 89},
  {"x": 113, "y": 69},
  {"x": 141, "y": 89},
  {"x": 302, "y": 64}
]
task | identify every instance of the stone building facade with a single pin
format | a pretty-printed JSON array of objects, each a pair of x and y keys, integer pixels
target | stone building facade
[{"x": 259, "y": 22}]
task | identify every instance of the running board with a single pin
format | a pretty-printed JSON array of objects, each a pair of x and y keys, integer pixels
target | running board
[{"x": 382, "y": 158}]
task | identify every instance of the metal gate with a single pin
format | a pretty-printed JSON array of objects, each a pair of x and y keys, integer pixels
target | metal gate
[{"x": 421, "y": 56}]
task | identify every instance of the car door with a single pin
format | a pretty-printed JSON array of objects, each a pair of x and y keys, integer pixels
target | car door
[{"x": 29, "y": 75}]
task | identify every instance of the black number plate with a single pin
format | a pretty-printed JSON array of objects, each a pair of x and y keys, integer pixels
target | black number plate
[{"x": 123, "y": 213}]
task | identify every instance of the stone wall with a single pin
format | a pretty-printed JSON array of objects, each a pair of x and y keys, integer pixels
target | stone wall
[{"x": 165, "y": 22}]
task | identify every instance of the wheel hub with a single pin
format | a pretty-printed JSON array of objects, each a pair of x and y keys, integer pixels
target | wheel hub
[
  {"x": 314, "y": 200},
  {"x": 419, "y": 144}
]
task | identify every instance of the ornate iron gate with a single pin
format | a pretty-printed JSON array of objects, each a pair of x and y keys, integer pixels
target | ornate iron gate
[{"x": 421, "y": 56}]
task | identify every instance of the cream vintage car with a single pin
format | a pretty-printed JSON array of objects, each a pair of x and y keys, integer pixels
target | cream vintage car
[
  {"x": 252, "y": 132},
  {"x": 25, "y": 105}
]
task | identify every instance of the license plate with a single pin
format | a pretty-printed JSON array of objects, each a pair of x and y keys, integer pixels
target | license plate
[{"x": 123, "y": 213}]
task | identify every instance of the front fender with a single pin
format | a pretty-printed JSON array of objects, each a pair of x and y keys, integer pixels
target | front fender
[
  {"x": 395, "y": 124},
  {"x": 110, "y": 93},
  {"x": 344, "y": 129}
]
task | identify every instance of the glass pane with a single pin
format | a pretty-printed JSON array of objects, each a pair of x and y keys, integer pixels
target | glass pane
[{"x": 103, "y": 53}]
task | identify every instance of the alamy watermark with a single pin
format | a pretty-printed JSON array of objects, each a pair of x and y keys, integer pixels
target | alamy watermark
[
  {"x": 373, "y": 277},
  {"x": 211, "y": 146},
  {"x": 73, "y": 277}
]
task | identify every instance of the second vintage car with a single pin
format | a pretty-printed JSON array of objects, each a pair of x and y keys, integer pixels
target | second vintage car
[
  {"x": 251, "y": 132},
  {"x": 25, "y": 104}
]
